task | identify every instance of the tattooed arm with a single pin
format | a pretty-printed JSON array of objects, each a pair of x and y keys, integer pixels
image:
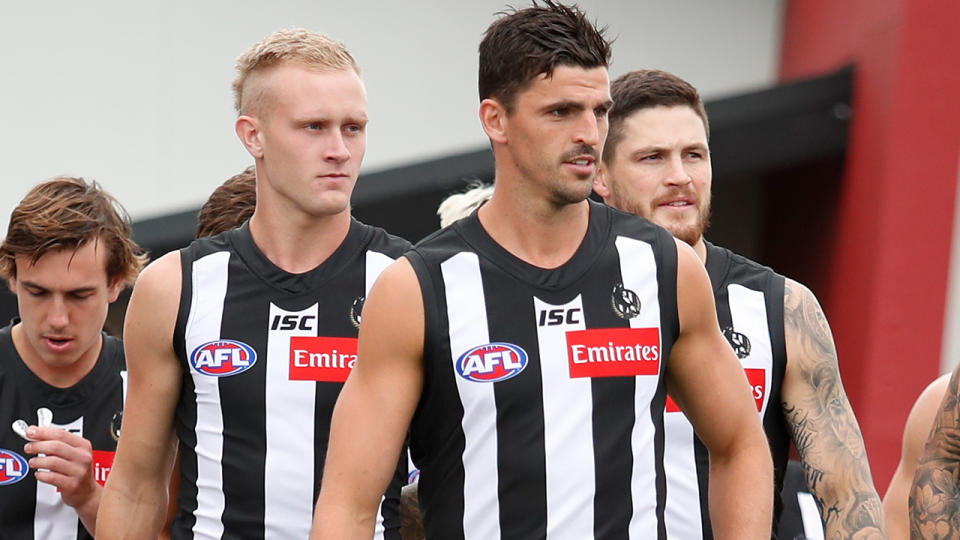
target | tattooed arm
[
  {"x": 895, "y": 502},
  {"x": 822, "y": 423},
  {"x": 935, "y": 496}
]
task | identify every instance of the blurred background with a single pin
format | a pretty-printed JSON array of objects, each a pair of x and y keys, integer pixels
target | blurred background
[{"x": 835, "y": 135}]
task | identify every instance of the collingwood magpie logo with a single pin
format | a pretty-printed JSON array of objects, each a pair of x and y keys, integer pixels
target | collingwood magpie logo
[
  {"x": 115, "y": 424},
  {"x": 355, "y": 311},
  {"x": 626, "y": 303},
  {"x": 739, "y": 342}
]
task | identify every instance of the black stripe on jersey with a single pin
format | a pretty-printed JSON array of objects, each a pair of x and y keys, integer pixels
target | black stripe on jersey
[
  {"x": 612, "y": 506},
  {"x": 670, "y": 327},
  {"x": 244, "y": 461},
  {"x": 520, "y": 441},
  {"x": 725, "y": 268},
  {"x": 442, "y": 509}
]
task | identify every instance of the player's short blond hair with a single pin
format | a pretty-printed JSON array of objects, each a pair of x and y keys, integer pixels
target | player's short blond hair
[
  {"x": 461, "y": 205},
  {"x": 298, "y": 46}
]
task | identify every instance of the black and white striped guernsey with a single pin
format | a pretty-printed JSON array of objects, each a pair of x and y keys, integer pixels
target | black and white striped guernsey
[
  {"x": 749, "y": 300},
  {"x": 265, "y": 354},
  {"x": 544, "y": 390},
  {"x": 92, "y": 409}
]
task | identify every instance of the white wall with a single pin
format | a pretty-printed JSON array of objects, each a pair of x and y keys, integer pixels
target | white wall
[{"x": 137, "y": 94}]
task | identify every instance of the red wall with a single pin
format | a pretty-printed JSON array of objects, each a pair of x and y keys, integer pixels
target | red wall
[{"x": 885, "y": 293}]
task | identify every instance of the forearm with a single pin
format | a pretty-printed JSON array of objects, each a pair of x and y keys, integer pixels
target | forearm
[
  {"x": 137, "y": 512},
  {"x": 847, "y": 499},
  {"x": 741, "y": 490},
  {"x": 342, "y": 522}
]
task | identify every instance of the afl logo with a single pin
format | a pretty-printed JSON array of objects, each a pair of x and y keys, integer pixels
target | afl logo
[
  {"x": 626, "y": 303},
  {"x": 13, "y": 468},
  {"x": 223, "y": 358},
  {"x": 492, "y": 362},
  {"x": 739, "y": 342}
]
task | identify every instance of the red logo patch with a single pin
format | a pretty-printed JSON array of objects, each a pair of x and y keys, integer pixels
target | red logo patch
[
  {"x": 102, "y": 463},
  {"x": 613, "y": 352},
  {"x": 758, "y": 387},
  {"x": 325, "y": 359}
]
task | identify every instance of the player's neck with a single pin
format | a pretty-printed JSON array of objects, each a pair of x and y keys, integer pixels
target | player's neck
[
  {"x": 533, "y": 230},
  {"x": 296, "y": 243},
  {"x": 64, "y": 376}
]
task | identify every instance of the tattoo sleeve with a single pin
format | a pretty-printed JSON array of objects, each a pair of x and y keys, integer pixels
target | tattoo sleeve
[
  {"x": 823, "y": 426},
  {"x": 935, "y": 495}
]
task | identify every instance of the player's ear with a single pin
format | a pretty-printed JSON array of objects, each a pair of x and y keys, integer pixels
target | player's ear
[
  {"x": 493, "y": 118},
  {"x": 248, "y": 130},
  {"x": 114, "y": 288},
  {"x": 600, "y": 181}
]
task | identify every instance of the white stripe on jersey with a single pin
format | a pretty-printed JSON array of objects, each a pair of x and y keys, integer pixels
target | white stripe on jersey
[
  {"x": 468, "y": 329},
  {"x": 638, "y": 267},
  {"x": 748, "y": 313},
  {"x": 288, "y": 468},
  {"x": 568, "y": 429},
  {"x": 53, "y": 519},
  {"x": 206, "y": 309},
  {"x": 682, "y": 511}
]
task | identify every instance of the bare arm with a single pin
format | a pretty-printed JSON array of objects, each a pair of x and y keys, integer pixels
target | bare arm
[
  {"x": 935, "y": 495},
  {"x": 822, "y": 423},
  {"x": 375, "y": 406},
  {"x": 915, "y": 432},
  {"x": 135, "y": 499},
  {"x": 709, "y": 384}
]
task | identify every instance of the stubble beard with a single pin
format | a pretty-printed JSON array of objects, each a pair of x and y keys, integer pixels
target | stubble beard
[{"x": 689, "y": 234}]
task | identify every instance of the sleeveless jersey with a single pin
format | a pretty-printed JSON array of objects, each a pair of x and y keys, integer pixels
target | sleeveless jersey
[
  {"x": 544, "y": 390},
  {"x": 92, "y": 409},
  {"x": 265, "y": 354},
  {"x": 749, "y": 300}
]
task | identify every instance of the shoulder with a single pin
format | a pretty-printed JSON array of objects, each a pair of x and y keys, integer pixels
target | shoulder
[
  {"x": 925, "y": 409},
  {"x": 726, "y": 267},
  {"x": 799, "y": 299},
  {"x": 383, "y": 242}
]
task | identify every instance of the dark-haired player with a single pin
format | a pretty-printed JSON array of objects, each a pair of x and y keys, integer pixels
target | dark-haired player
[
  {"x": 656, "y": 164},
  {"x": 529, "y": 346}
]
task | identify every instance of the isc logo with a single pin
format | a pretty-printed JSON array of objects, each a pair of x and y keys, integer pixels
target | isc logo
[
  {"x": 492, "y": 362},
  {"x": 555, "y": 317},
  {"x": 292, "y": 322},
  {"x": 13, "y": 468},
  {"x": 223, "y": 357}
]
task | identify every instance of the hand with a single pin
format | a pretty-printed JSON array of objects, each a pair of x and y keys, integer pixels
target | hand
[{"x": 67, "y": 463}]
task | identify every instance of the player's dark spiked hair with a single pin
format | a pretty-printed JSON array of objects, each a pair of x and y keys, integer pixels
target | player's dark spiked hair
[{"x": 523, "y": 44}]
